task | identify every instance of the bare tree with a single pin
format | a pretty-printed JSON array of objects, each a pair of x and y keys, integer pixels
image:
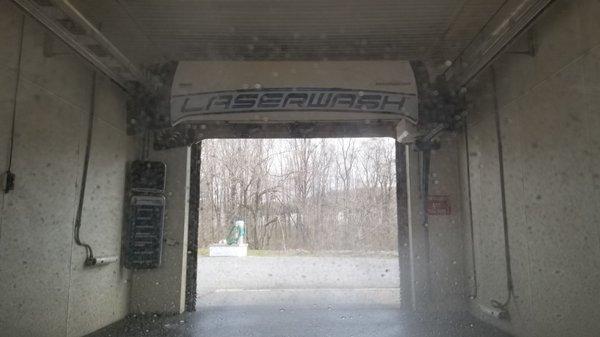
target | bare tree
[{"x": 316, "y": 194}]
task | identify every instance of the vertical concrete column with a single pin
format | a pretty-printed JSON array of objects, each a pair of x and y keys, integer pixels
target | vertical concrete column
[
  {"x": 416, "y": 233},
  {"x": 162, "y": 290},
  {"x": 446, "y": 228},
  {"x": 406, "y": 292},
  {"x": 436, "y": 247}
]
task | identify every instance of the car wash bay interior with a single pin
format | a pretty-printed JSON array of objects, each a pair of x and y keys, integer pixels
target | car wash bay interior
[{"x": 508, "y": 114}]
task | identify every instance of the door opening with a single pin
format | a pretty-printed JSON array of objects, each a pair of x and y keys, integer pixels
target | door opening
[{"x": 321, "y": 222}]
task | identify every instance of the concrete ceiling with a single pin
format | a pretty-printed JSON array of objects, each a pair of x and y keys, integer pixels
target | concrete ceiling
[{"x": 150, "y": 31}]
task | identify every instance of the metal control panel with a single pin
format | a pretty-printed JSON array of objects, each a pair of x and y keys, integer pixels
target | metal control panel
[
  {"x": 146, "y": 215},
  {"x": 145, "y": 235}
]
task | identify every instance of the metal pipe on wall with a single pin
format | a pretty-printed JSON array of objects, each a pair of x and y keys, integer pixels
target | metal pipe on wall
[{"x": 509, "y": 277}]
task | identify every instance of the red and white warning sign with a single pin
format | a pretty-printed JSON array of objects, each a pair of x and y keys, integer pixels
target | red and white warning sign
[{"x": 439, "y": 205}]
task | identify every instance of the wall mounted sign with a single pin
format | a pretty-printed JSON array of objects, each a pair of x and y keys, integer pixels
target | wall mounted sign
[
  {"x": 293, "y": 91},
  {"x": 438, "y": 205},
  {"x": 291, "y": 99}
]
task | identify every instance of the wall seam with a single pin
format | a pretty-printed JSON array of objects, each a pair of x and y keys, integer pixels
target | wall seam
[
  {"x": 23, "y": 78},
  {"x": 545, "y": 79},
  {"x": 110, "y": 124},
  {"x": 99, "y": 117}
]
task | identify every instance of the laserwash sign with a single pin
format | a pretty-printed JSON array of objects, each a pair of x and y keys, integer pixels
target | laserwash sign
[{"x": 290, "y": 103}]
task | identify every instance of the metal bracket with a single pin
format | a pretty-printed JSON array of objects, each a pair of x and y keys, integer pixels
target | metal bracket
[
  {"x": 422, "y": 146},
  {"x": 405, "y": 132},
  {"x": 51, "y": 48},
  {"x": 100, "y": 261},
  {"x": 531, "y": 45}
]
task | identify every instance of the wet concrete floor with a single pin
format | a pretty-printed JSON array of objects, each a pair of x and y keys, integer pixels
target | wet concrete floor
[{"x": 300, "y": 313}]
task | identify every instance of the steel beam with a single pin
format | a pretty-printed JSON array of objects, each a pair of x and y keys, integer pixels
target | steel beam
[
  {"x": 66, "y": 22},
  {"x": 512, "y": 19}
]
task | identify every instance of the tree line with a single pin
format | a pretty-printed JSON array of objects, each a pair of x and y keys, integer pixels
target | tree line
[{"x": 311, "y": 194}]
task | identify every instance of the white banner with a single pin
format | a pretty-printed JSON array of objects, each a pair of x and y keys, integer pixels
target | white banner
[{"x": 293, "y": 91}]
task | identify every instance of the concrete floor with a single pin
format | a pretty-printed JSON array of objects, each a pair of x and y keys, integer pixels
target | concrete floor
[
  {"x": 299, "y": 297},
  {"x": 300, "y": 313}
]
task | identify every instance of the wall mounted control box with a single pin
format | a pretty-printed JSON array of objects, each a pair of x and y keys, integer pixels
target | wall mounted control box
[
  {"x": 145, "y": 234},
  {"x": 148, "y": 177},
  {"x": 146, "y": 215}
]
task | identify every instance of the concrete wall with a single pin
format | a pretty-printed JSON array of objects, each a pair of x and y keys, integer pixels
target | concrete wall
[
  {"x": 445, "y": 270},
  {"x": 44, "y": 289},
  {"x": 162, "y": 290},
  {"x": 549, "y": 110},
  {"x": 446, "y": 231}
]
